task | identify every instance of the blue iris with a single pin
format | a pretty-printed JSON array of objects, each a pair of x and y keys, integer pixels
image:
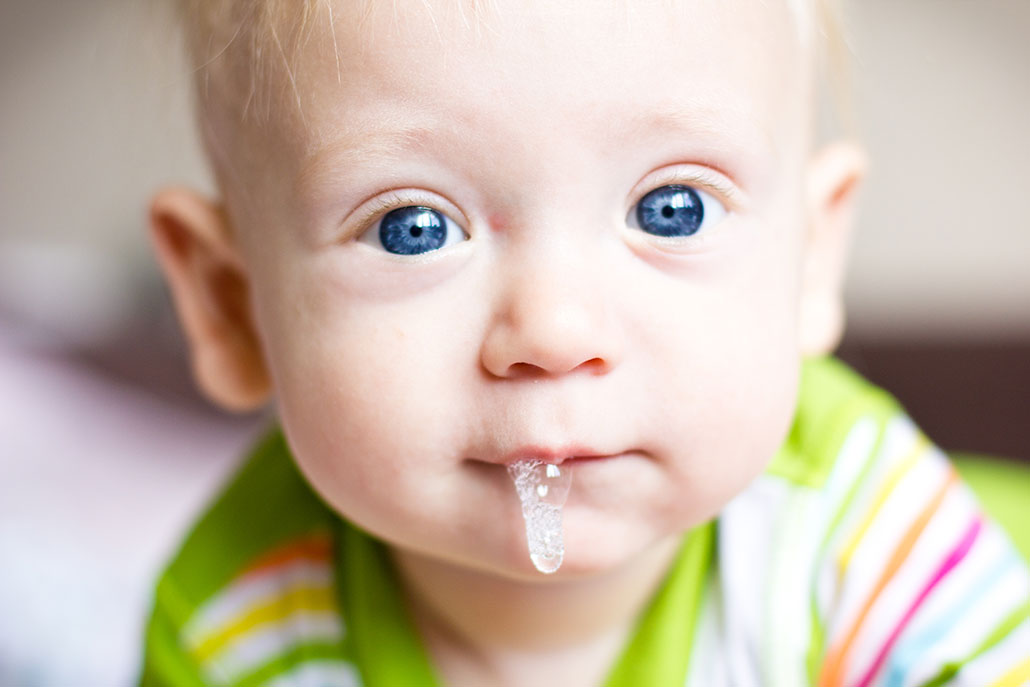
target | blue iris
[
  {"x": 671, "y": 211},
  {"x": 412, "y": 230}
]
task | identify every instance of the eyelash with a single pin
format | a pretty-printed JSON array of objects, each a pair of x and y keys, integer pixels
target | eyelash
[
  {"x": 393, "y": 200},
  {"x": 712, "y": 183}
]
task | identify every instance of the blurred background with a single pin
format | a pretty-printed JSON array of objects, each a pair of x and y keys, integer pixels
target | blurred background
[{"x": 106, "y": 452}]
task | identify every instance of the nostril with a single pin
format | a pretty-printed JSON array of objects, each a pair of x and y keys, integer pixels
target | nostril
[
  {"x": 516, "y": 370},
  {"x": 594, "y": 366}
]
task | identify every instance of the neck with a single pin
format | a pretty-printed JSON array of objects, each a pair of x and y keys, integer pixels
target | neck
[{"x": 471, "y": 619}]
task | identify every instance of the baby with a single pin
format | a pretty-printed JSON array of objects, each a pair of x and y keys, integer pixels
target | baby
[{"x": 596, "y": 242}]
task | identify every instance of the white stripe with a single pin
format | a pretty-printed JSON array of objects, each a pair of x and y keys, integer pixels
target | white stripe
[
  {"x": 324, "y": 673},
  {"x": 250, "y": 651},
  {"x": 244, "y": 593},
  {"x": 855, "y": 453},
  {"x": 746, "y": 528},
  {"x": 788, "y": 621}
]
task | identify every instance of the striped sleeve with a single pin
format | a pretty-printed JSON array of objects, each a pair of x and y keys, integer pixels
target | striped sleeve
[
  {"x": 275, "y": 620},
  {"x": 250, "y": 598},
  {"x": 916, "y": 585}
]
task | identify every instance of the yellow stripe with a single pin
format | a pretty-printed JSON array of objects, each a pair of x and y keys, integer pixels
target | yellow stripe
[
  {"x": 899, "y": 471},
  {"x": 269, "y": 610},
  {"x": 1015, "y": 677}
]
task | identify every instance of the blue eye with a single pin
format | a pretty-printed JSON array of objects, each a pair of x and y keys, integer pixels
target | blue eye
[
  {"x": 676, "y": 210},
  {"x": 415, "y": 230}
]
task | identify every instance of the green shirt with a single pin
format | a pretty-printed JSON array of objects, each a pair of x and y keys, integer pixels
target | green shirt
[{"x": 271, "y": 587}]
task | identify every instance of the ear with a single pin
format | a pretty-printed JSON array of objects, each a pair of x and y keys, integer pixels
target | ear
[
  {"x": 191, "y": 236},
  {"x": 834, "y": 175}
]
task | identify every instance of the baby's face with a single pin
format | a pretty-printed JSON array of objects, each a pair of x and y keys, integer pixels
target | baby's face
[{"x": 569, "y": 230}]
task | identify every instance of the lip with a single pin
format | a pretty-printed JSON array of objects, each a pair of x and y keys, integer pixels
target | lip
[{"x": 554, "y": 455}]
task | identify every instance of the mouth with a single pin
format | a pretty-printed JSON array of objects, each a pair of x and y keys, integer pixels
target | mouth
[{"x": 558, "y": 455}]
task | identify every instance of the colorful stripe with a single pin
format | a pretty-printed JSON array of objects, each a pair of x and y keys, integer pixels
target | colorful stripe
[
  {"x": 905, "y": 658},
  {"x": 274, "y": 609},
  {"x": 922, "y": 445},
  {"x": 1013, "y": 620},
  {"x": 282, "y": 600},
  {"x": 1017, "y": 677},
  {"x": 953, "y": 559},
  {"x": 817, "y": 635},
  {"x": 316, "y": 547},
  {"x": 304, "y": 562},
  {"x": 249, "y": 652},
  {"x": 837, "y": 661}
]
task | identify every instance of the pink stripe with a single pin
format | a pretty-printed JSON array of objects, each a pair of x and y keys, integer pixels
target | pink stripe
[{"x": 953, "y": 559}]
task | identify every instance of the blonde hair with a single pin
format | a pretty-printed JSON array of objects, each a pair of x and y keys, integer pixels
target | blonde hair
[
  {"x": 258, "y": 38},
  {"x": 245, "y": 53}
]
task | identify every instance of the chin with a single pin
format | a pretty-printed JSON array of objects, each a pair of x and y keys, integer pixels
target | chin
[
  {"x": 584, "y": 557},
  {"x": 601, "y": 550}
]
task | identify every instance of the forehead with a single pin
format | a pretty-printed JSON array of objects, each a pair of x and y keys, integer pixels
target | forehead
[{"x": 389, "y": 74}]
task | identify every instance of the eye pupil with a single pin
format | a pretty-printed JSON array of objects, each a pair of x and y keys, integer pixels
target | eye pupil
[
  {"x": 674, "y": 210},
  {"x": 416, "y": 231}
]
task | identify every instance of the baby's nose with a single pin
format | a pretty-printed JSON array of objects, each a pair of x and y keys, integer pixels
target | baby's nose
[{"x": 552, "y": 317}]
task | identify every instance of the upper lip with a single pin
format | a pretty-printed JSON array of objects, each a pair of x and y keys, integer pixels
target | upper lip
[{"x": 551, "y": 454}]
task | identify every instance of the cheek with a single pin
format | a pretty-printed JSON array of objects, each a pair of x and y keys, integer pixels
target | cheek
[
  {"x": 370, "y": 377},
  {"x": 367, "y": 396},
  {"x": 728, "y": 370}
]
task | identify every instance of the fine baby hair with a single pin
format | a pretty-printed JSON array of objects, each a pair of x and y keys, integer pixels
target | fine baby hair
[
  {"x": 544, "y": 296},
  {"x": 246, "y": 45}
]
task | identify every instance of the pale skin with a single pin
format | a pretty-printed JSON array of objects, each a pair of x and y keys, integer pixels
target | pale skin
[{"x": 550, "y": 322}]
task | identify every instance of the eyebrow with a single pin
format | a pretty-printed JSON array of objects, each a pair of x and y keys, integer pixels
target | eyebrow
[
  {"x": 701, "y": 121},
  {"x": 731, "y": 128},
  {"x": 361, "y": 143}
]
